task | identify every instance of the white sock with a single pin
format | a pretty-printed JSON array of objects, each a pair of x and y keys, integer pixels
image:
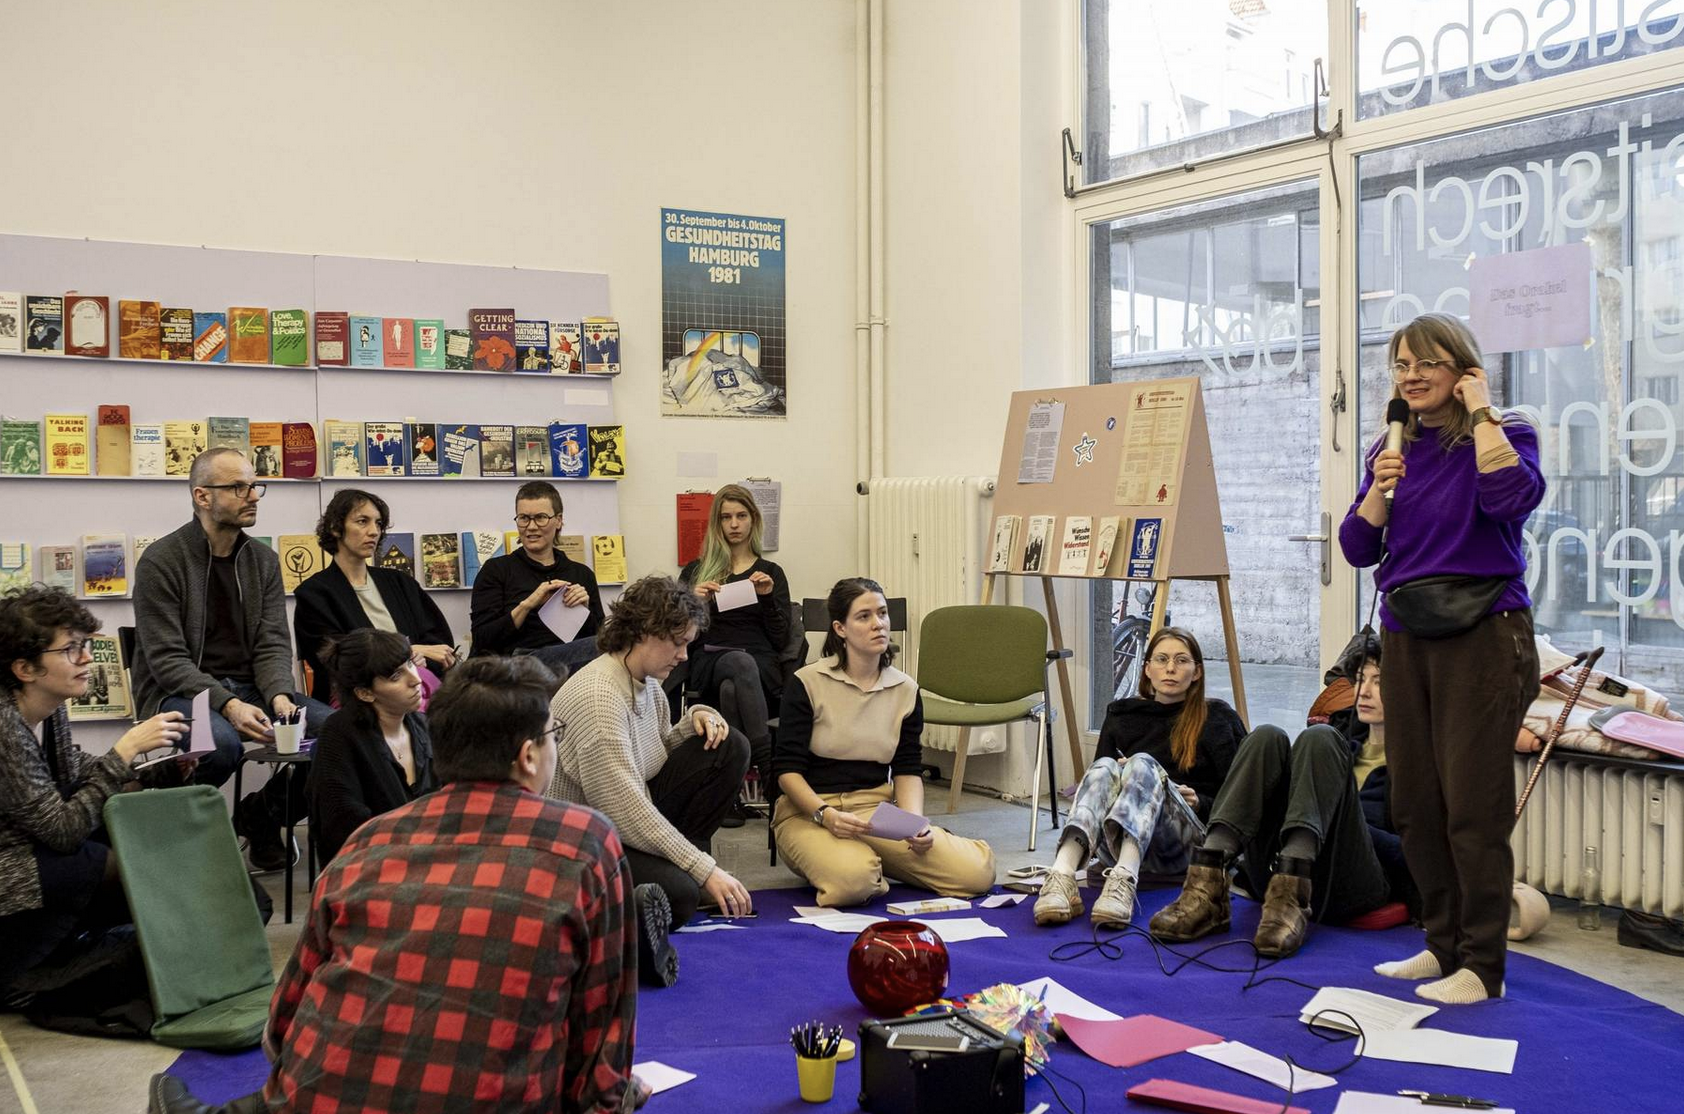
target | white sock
[
  {"x": 1070, "y": 856},
  {"x": 1461, "y": 988},
  {"x": 1422, "y": 965},
  {"x": 1128, "y": 858}
]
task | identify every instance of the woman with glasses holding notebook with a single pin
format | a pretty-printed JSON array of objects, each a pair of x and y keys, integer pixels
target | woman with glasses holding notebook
[
  {"x": 1442, "y": 517},
  {"x": 511, "y": 590},
  {"x": 1144, "y": 803},
  {"x": 374, "y": 754},
  {"x": 58, "y": 878}
]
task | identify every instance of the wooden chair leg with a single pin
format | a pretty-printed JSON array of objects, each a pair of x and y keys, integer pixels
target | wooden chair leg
[{"x": 959, "y": 754}]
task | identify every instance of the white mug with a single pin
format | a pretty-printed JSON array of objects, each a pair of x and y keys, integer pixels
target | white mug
[{"x": 287, "y": 737}]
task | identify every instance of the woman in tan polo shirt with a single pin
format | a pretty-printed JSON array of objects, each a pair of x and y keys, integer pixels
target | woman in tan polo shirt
[{"x": 849, "y": 740}]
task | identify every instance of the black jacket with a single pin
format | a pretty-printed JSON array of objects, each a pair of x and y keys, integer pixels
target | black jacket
[
  {"x": 500, "y": 586},
  {"x": 1140, "y": 725},
  {"x": 354, "y": 777},
  {"x": 327, "y": 605}
]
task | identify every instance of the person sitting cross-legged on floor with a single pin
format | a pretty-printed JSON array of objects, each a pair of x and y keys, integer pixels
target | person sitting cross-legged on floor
[
  {"x": 1313, "y": 820},
  {"x": 1130, "y": 814},
  {"x": 665, "y": 786},
  {"x": 471, "y": 950},
  {"x": 850, "y": 737}
]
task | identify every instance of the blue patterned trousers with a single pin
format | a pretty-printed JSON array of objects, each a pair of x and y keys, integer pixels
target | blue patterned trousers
[{"x": 1134, "y": 799}]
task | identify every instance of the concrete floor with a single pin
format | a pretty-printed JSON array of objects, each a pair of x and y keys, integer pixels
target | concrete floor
[{"x": 72, "y": 1075}]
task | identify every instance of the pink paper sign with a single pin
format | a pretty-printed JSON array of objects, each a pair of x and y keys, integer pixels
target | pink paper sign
[
  {"x": 1531, "y": 299},
  {"x": 1133, "y": 1040}
]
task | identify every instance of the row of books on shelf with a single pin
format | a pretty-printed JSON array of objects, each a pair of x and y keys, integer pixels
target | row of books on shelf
[
  {"x": 100, "y": 566},
  {"x": 1087, "y": 547},
  {"x": 111, "y": 445},
  {"x": 496, "y": 339}
]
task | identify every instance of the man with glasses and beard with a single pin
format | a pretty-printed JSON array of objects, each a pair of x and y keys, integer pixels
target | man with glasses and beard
[{"x": 210, "y": 613}]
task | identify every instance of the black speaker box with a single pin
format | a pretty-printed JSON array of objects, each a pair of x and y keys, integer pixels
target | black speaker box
[{"x": 976, "y": 1069}]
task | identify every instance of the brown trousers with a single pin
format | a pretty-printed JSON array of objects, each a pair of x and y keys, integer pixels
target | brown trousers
[{"x": 1453, "y": 708}]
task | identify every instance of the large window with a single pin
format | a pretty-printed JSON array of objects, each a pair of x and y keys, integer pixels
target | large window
[
  {"x": 1174, "y": 81},
  {"x": 1423, "y": 52},
  {"x": 1222, "y": 290},
  {"x": 1606, "y": 546}
]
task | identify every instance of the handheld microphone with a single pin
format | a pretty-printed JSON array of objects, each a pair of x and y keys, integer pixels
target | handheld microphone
[{"x": 1397, "y": 415}]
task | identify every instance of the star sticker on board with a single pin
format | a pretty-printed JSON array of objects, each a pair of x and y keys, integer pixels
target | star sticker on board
[{"x": 1084, "y": 450}]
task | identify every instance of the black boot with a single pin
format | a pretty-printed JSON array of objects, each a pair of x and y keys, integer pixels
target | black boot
[
  {"x": 263, "y": 835},
  {"x": 657, "y": 962},
  {"x": 168, "y": 1095},
  {"x": 1286, "y": 909}
]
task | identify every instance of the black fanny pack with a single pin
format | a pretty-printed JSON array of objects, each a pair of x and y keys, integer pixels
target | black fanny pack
[{"x": 1442, "y": 606}]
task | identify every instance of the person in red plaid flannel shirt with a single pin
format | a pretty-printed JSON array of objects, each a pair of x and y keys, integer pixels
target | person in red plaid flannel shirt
[{"x": 472, "y": 950}]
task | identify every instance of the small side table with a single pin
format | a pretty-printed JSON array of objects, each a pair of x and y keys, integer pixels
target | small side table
[{"x": 283, "y": 765}]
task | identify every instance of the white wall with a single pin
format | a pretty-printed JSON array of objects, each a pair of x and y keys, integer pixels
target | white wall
[{"x": 537, "y": 133}]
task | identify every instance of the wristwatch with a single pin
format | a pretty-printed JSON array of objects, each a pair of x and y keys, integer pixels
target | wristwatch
[
  {"x": 1487, "y": 414},
  {"x": 818, "y": 815}
]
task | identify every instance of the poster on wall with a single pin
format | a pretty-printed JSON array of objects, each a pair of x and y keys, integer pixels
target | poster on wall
[{"x": 723, "y": 342}]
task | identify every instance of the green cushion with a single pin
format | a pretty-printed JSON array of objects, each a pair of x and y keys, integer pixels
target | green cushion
[
  {"x": 231, "y": 1024},
  {"x": 938, "y": 710},
  {"x": 194, "y": 914},
  {"x": 982, "y": 654}
]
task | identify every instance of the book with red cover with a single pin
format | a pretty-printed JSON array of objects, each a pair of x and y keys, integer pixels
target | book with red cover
[
  {"x": 492, "y": 333},
  {"x": 138, "y": 336},
  {"x": 298, "y": 450},
  {"x": 87, "y": 325},
  {"x": 333, "y": 339},
  {"x": 399, "y": 335},
  {"x": 1204, "y": 1100}
]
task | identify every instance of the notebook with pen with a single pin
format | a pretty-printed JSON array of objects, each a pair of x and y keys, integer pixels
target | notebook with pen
[{"x": 199, "y": 739}]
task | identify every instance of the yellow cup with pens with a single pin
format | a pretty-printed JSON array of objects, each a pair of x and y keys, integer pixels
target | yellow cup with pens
[{"x": 816, "y": 1048}]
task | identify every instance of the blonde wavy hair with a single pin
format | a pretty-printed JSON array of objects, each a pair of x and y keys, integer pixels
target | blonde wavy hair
[
  {"x": 1430, "y": 335},
  {"x": 715, "y": 563}
]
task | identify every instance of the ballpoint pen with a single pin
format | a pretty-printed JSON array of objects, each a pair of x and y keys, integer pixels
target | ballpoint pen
[{"x": 1464, "y": 1102}]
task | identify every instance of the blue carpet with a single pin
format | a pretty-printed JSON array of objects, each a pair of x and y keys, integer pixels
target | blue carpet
[{"x": 1583, "y": 1045}]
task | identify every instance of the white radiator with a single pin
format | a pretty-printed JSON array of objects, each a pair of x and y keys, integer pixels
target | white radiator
[
  {"x": 1634, "y": 817},
  {"x": 926, "y": 543}
]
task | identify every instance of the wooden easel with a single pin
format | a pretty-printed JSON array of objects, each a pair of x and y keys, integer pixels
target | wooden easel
[{"x": 1160, "y": 426}]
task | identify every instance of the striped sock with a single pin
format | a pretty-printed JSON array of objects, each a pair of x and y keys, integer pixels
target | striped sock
[
  {"x": 1423, "y": 965},
  {"x": 1462, "y": 988}
]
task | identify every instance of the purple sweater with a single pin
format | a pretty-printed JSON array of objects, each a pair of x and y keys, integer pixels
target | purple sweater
[{"x": 1448, "y": 518}]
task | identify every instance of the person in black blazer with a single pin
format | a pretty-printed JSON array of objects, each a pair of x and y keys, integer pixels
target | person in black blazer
[
  {"x": 351, "y": 593},
  {"x": 374, "y": 754}
]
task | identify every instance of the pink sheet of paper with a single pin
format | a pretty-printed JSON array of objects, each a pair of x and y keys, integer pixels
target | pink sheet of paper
[{"x": 1133, "y": 1040}]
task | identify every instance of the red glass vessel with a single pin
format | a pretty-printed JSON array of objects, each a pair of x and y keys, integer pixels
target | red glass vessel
[{"x": 895, "y": 965}]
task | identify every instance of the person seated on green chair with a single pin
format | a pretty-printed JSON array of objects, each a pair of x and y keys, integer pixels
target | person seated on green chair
[
  {"x": 1129, "y": 811},
  {"x": 58, "y": 877},
  {"x": 374, "y": 753},
  {"x": 850, "y": 739},
  {"x": 475, "y": 949},
  {"x": 1312, "y": 818}
]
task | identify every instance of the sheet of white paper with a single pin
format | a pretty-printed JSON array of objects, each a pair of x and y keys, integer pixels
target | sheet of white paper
[
  {"x": 1000, "y": 901},
  {"x": 840, "y": 922},
  {"x": 577, "y": 396},
  {"x": 1366, "y": 1102},
  {"x": 1039, "y": 458},
  {"x": 1242, "y": 1057},
  {"x": 768, "y": 496},
  {"x": 712, "y": 926},
  {"x": 811, "y": 911},
  {"x": 1062, "y": 1000},
  {"x": 563, "y": 620},
  {"x": 1374, "y": 1012},
  {"x": 954, "y": 929},
  {"x": 1436, "y": 1046},
  {"x": 891, "y": 822},
  {"x": 738, "y": 593},
  {"x": 659, "y": 1077}
]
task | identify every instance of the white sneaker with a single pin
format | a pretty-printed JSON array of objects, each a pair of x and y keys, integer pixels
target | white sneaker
[
  {"x": 1116, "y": 901},
  {"x": 1059, "y": 902}
]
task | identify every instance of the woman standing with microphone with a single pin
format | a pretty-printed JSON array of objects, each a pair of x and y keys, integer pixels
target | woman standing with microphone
[{"x": 1442, "y": 518}]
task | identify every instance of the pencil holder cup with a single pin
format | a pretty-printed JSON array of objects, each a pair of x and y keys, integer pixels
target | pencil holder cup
[
  {"x": 288, "y": 737},
  {"x": 817, "y": 1076}
]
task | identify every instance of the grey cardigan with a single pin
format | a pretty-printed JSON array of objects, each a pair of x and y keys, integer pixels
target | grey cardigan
[
  {"x": 36, "y": 809},
  {"x": 171, "y": 583}
]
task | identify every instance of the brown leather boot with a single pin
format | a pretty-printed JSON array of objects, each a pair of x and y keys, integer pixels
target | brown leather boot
[
  {"x": 1286, "y": 909},
  {"x": 1202, "y": 907}
]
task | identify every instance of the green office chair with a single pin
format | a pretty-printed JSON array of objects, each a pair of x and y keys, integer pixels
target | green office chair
[
  {"x": 983, "y": 665},
  {"x": 207, "y": 960}
]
